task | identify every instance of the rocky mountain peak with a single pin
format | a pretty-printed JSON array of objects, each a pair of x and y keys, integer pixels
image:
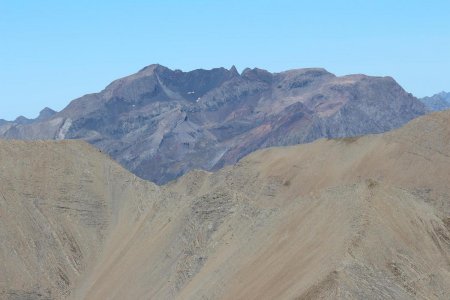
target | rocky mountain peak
[
  {"x": 23, "y": 120},
  {"x": 150, "y": 69},
  {"x": 161, "y": 123},
  {"x": 440, "y": 101},
  {"x": 257, "y": 74},
  {"x": 443, "y": 94},
  {"x": 234, "y": 71},
  {"x": 45, "y": 114}
]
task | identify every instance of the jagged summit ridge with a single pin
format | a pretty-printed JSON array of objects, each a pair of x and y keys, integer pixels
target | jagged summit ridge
[{"x": 160, "y": 123}]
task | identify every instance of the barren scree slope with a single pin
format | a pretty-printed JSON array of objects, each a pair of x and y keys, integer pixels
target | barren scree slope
[{"x": 353, "y": 218}]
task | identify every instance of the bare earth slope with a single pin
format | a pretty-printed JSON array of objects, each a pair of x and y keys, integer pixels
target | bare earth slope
[
  {"x": 353, "y": 218},
  {"x": 57, "y": 203},
  {"x": 161, "y": 123}
]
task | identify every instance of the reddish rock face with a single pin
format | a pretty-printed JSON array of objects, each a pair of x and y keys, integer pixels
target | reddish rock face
[{"x": 161, "y": 123}]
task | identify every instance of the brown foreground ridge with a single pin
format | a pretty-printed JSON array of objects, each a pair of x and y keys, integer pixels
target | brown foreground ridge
[{"x": 355, "y": 218}]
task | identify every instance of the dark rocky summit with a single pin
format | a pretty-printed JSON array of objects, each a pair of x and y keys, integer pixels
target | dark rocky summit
[{"x": 160, "y": 123}]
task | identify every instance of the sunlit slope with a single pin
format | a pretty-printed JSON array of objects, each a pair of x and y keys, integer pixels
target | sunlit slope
[
  {"x": 359, "y": 218},
  {"x": 58, "y": 201},
  {"x": 352, "y": 218}
]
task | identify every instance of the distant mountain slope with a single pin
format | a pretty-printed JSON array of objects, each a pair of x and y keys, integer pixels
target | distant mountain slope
[
  {"x": 437, "y": 102},
  {"x": 161, "y": 123},
  {"x": 352, "y": 218},
  {"x": 44, "y": 114}
]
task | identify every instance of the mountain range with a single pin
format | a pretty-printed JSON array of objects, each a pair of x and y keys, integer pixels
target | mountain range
[
  {"x": 161, "y": 123},
  {"x": 437, "y": 102},
  {"x": 352, "y": 218}
]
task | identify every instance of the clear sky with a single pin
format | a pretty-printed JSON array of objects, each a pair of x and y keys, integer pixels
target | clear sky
[{"x": 52, "y": 52}]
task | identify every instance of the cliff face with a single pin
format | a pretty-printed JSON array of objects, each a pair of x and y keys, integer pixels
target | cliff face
[{"x": 160, "y": 123}]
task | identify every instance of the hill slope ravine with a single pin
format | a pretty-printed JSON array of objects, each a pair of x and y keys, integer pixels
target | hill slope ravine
[{"x": 353, "y": 218}]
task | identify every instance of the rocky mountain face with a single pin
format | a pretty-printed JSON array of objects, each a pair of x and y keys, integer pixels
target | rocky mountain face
[
  {"x": 160, "y": 123},
  {"x": 437, "y": 102},
  {"x": 353, "y": 218}
]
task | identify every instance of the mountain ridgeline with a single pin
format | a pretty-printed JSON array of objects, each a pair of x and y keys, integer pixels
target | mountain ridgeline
[
  {"x": 161, "y": 123},
  {"x": 351, "y": 218},
  {"x": 437, "y": 102}
]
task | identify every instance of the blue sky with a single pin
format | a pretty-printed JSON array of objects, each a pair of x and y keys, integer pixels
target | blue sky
[{"x": 55, "y": 51}]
